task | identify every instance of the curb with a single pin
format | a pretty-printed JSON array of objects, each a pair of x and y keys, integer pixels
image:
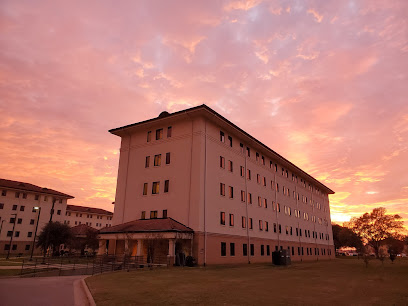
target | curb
[{"x": 87, "y": 292}]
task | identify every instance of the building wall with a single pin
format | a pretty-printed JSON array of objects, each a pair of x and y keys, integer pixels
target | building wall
[
  {"x": 195, "y": 176},
  {"x": 94, "y": 220},
  {"x": 28, "y": 218}
]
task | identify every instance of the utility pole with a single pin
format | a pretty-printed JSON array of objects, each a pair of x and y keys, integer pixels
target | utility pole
[
  {"x": 35, "y": 233},
  {"x": 12, "y": 234},
  {"x": 48, "y": 232}
]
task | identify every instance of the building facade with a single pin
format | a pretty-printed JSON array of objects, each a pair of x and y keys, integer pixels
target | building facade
[
  {"x": 241, "y": 199},
  {"x": 22, "y": 207},
  {"x": 94, "y": 217}
]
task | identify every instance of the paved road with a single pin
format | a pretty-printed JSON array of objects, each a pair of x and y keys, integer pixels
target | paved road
[{"x": 42, "y": 291}]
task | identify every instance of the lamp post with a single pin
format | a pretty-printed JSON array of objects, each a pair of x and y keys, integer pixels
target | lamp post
[
  {"x": 12, "y": 234},
  {"x": 35, "y": 233},
  {"x": 48, "y": 232}
]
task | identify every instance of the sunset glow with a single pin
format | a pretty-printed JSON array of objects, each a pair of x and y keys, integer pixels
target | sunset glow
[{"x": 323, "y": 83}]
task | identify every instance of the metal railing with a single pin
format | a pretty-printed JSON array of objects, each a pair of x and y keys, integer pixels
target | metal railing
[{"x": 76, "y": 265}]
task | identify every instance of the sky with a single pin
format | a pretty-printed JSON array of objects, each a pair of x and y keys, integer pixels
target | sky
[{"x": 323, "y": 83}]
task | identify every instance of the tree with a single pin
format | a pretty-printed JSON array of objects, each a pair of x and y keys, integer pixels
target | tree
[
  {"x": 83, "y": 241},
  {"x": 345, "y": 237},
  {"x": 57, "y": 233},
  {"x": 376, "y": 227}
]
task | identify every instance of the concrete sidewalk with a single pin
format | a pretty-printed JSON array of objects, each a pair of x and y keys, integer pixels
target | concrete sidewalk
[{"x": 43, "y": 291}]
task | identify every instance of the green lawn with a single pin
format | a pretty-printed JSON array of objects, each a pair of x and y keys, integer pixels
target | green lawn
[
  {"x": 8, "y": 272},
  {"x": 338, "y": 282}
]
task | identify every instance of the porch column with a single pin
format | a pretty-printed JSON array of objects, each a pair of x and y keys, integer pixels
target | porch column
[
  {"x": 126, "y": 246},
  {"x": 102, "y": 247},
  {"x": 171, "y": 255},
  {"x": 139, "y": 247}
]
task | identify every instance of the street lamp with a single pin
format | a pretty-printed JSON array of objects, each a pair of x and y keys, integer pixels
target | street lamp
[
  {"x": 48, "y": 232},
  {"x": 35, "y": 233},
  {"x": 12, "y": 234}
]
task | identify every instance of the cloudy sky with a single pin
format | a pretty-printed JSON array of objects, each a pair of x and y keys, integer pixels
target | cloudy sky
[{"x": 323, "y": 83}]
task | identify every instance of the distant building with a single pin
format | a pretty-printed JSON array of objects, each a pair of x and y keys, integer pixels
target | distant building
[
  {"x": 217, "y": 193},
  {"x": 20, "y": 206},
  {"x": 93, "y": 217}
]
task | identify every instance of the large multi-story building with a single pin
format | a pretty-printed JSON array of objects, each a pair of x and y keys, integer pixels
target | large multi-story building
[
  {"x": 93, "y": 217},
  {"x": 22, "y": 207},
  {"x": 207, "y": 188}
]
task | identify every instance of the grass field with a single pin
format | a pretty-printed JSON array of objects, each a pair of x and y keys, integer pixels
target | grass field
[{"x": 336, "y": 282}]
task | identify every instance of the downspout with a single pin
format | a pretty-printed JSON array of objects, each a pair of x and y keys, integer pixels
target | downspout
[
  {"x": 298, "y": 224},
  {"x": 205, "y": 180},
  {"x": 246, "y": 203}
]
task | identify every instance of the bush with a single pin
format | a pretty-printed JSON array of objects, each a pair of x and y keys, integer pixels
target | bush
[{"x": 190, "y": 261}]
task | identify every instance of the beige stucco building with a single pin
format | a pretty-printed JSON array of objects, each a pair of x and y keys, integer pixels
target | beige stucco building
[
  {"x": 237, "y": 199},
  {"x": 94, "y": 217},
  {"x": 22, "y": 206}
]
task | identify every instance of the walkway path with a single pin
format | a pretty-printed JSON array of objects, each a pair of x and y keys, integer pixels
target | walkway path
[{"x": 43, "y": 291}]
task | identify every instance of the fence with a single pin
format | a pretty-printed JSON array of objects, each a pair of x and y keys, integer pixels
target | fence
[{"x": 63, "y": 266}]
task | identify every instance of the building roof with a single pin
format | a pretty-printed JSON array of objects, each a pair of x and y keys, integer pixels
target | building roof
[
  {"x": 204, "y": 108},
  {"x": 148, "y": 225},
  {"x": 33, "y": 188},
  {"x": 89, "y": 210},
  {"x": 82, "y": 230}
]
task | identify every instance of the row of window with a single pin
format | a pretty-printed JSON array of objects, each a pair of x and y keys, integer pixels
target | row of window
[
  {"x": 17, "y": 234},
  {"x": 154, "y": 214},
  {"x": 156, "y": 187},
  {"x": 291, "y": 250},
  {"x": 22, "y": 208},
  {"x": 14, "y": 247},
  {"x": 159, "y": 134},
  {"x": 89, "y": 216},
  {"x": 264, "y": 225},
  {"x": 24, "y": 196},
  {"x": 87, "y": 223},
  {"x": 274, "y": 186},
  {"x": 157, "y": 160},
  {"x": 263, "y": 202},
  {"x": 261, "y": 159}
]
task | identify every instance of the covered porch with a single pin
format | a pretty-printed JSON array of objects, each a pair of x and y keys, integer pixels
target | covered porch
[{"x": 155, "y": 241}]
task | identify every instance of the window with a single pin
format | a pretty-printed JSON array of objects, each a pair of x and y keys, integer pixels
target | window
[
  {"x": 230, "y": 166},
  {"x": 266, "y": 226},
  {"x": 164, "y": 213},
  {"x": 244, "y": 249},
  {"x": 9, "y": 233},
  {"x": 4, "y": 193},
  {"x": 222, "y": 136},
  {"x": 263, "y": 160},
  {"x": 1, "y": 205},
  {"x": 168, "y": 158},
  {"x": 248, "y": 174},
  {"x": 280, "y": 229},
  {"x": 169, "y": 130},
  {"x": 231, "y": 220},
  {"x": 259, "y": 202},
  {"x": 262, "y": 250},
  {"x": 248, "y": 152},
  {"x": 222, "y": 162},
  {"x": 155, "y": 187},
  {"x": 143, "y": 216},
  {"x": 149, "y": 136},
  {"x": 153, "y": 214},
  {"x": 249, "y": 198},
  {"x": 243, "y": 222},
  {"x": 24, "y": 196},
  {"x": 36, "y": 197},
  {"x": 252, "y": 250},
  {"x": 232, "y": 249},
  {"x": 19, "y": 221},
  {"x": 59, "y": 212},
  {"x": 22, "y": 208},
  {"x": 222, "y": 189},
  {"x": 6, "y": 247},
  {"x": 265, "y": 202},
  {"x": 27, "y": 247},
  {"x": 29, "y": 234},
  {"x": 31, "y": 221},
  {"x": 258, "y": 178},
  {"x": 242, "y": 147},
  {"x": 147, "y": 162},
  {"x": 14, "y": 247},
  {"x": 230, "y": 140},
  {"x": 157, "y": 160},
  {"x": 14, "y": 207},
  {"x": 17, "y": 194},
  {"x": 231, "y": 192},
  {"x": 222, "y": 218},
  {"x": 242, "y": 196},
  {"x": 166, "y": 185},
  {"x": 223, "y": 249},
  {"x": 242, "y": 171},
  {"x": 274, "y": 228},
  {"x": 250, "y": 223},
  {"x": 257, "y": 156},
  {"x": 12, "y": 220},
  {"x": 268, "y": 250},
  {"x": 260, "y": 225},
  {"x": 144, "y": 190},
  {"x": 264, "y": 181},
  {"x": 287, "y": 230},
  {"x": 159, "y": 134},
  {"x": 17, "y": 234}
]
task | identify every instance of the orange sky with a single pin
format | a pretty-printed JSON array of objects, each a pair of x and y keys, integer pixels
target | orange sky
[{"x": 323, "y": 83}]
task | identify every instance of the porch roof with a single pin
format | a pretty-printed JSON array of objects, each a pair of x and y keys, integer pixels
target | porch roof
[{"x": 148, "y": 225}]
